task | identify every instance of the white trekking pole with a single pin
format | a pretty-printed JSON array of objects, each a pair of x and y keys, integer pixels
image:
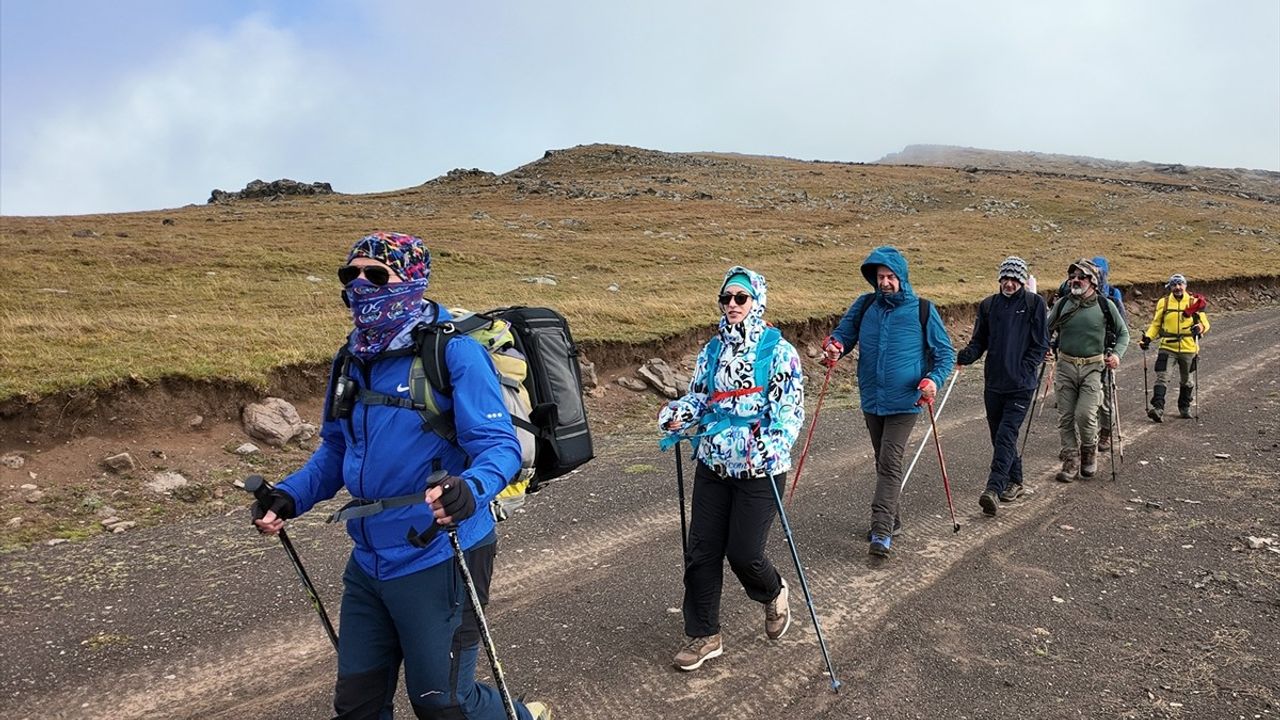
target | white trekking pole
[{"x": 925, "y": 440}]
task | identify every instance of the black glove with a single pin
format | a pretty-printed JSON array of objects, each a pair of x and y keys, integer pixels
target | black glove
[
  {"x": 457, "y": 499},
  {"x": 1145, "y": 342},
  {"x": 277, "y": 501}
]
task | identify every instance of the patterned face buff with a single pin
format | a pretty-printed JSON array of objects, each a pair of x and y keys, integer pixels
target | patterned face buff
[{"x": 380, "y": 312}]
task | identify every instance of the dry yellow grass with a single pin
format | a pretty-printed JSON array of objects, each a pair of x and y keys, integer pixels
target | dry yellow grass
[{"x": 223, "y": 291}]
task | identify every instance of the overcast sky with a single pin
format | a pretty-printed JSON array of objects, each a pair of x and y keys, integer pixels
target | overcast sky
[{"x": 147, "y": 104}]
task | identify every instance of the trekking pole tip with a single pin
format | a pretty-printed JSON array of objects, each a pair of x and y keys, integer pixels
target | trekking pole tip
[
  {"x": 955, "y": 528},
  {"x": 835, "y": 685}
]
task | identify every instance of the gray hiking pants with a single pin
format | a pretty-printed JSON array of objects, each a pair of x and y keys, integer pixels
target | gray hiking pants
[
  {"x": 1078, "y": 388},
  {"x": 889, "y": 435}
]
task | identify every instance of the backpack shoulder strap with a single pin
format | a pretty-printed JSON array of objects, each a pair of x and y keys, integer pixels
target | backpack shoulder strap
[
  {"x": 713, "y": 357},
  {"x": 762, "y": 364},
  {"x": 925, "y": 305}
]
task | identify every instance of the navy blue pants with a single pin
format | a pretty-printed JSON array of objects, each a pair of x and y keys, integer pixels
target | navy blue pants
[
  {"x": 731, "y": 519},
  {"x": 426, "y": 622},
  {"x": 1005, "y": 413}
]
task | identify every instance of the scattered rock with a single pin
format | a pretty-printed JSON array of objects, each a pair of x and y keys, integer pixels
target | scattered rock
[
  {"x": 166, "y": 482},
  {"x": 85, "y": 234},
  {"x": 1258, "y": 543},
  {"x": 596, "y": 392},
  {"x": 195, "y": 421},
  {"x": 108, "y": 522},
  {"x": 659, "y": 374},
  {"x": 168, "y": 221},
  {"x": 27, "y": 486},
  {"x": 314, "y": 279},
  {"x": 246, "y": 449},
  {"x": 120, "y": 463},
  {"x": 34, "y": 496},
  {"x": 1222, "y": 456},
  {"x": 273, "y": 421},
  {"x": 572, "y": 224},
  {"x": 105, "y": 511},
  {"x": 632, "y": 383},
  {"x": 306, "y": 432},
  {"x": 13, "y": 461},
  {"x": 613, "y": 287},
  {"x": 540, "y": 280},
  {"x": 56, "y": 541},
  {"x": 14, "y": 522},
  {"x": 588, "y": 375},
  {"x": 121, "y": 527},
  {"x": 159, "y": 455},
  {"x": 479, "y": 215}
]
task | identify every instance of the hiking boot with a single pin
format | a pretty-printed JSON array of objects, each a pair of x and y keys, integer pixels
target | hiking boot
[
  {"x": 777, "y": 615},
  {"x": 538, "y": 710},
  {"x": 880, "y": 545},
  {"x": 1156, "y": 414},
  {"x": 989, "y": 502},
  {"x": 1012, "y": 491},
  {"x": 897, "y": 529},
  {"x": 1070, "y": 462},
  {"x": 1184, "y": 413},
  {"x": 1104, "y": 440},
  {"x": 698, "y": 650},
  {"x": 1088, "y": 461}
]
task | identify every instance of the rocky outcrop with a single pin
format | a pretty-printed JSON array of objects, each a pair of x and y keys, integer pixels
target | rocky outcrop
[{"x": 274, "y": 190}]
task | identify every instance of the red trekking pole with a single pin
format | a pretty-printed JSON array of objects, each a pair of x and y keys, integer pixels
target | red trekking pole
[
  {"x": 946, "y": 484},
  {"x": 809, "y": 438}
]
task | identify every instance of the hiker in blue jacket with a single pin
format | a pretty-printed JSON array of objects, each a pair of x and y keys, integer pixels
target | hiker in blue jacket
[
  {"x": 1011, "y": 329},
  {"x": 402, "y": 603},
  {"x": 905, "y": 355}
]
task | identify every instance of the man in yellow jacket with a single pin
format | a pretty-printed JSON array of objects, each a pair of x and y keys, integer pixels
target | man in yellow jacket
[{"x": 1179, "y": 322}]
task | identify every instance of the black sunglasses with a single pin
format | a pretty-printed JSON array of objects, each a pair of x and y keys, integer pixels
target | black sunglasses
[
  {"x": 1077, "y": 276},
  {"x": 375, "y": 274},
  {"x": 739, "y": 298}
]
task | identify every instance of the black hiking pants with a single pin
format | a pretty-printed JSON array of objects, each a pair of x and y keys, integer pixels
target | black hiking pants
[
  {"x": 731, "y": 519},
  {"x": 889, "y": 435},
  {"x": 1005, "y": 413}
]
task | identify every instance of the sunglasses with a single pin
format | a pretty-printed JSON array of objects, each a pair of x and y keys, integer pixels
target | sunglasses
[
  {"x": 738, "y": 298},
  {"x": 375, "y": 274},
  {"x": 1077, "y": 276}
]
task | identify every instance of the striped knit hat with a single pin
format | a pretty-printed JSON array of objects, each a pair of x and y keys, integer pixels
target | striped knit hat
[
  {"x": 1176, "y": 279},
  {"x": 1014, "y": 267}
]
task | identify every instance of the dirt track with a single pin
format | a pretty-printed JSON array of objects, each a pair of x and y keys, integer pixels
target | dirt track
[{"x": 1098, "y": 599}]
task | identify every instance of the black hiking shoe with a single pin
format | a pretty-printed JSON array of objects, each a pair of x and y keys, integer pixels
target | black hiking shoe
[
  {"x": 1012, "y": 491},
  {"x": 1155, "y": 414},
  {"x": 989, "y": 502},
  {"x": 1184, "y": 413}
]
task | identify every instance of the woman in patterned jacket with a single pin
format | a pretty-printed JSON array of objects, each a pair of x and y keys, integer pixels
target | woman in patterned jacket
[{"x": 744, "y": 410}]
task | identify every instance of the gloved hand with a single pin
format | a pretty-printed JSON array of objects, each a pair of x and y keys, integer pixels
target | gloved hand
[
  {"x": 1196, "y": 330},
  {"x": 275, "y": 501},
  {"x": 1111, "y": 361},
  {"x": 927, "y": 391},
  {"x": 452, "y": 500},
  {"x": 832, "y": 351},
  {"x": 1144, "y": 342}
]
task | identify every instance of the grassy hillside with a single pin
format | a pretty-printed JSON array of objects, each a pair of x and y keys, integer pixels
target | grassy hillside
[{"x": 235, "y": 290}]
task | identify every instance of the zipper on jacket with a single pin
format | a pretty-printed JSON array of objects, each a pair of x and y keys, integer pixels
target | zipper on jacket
[{"x": 366, "y": 375}]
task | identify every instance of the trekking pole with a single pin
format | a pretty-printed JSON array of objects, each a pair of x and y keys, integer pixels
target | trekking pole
[
  {"x": 421, "y": 540},
  {"x": 259, "y": 488},
  {"x": 684, "y": 524},
  {"x": 1195, "y": 372},
  {"x": 1118, "y": 444},
  {"x": 1031, "y": 415},
  {"x": 946, "y": 484},
  {"x": 1109, "y": 378},
  {"x": 809, "y": 438},
  {"x": 1146, "y": 395},
  {"x": 804, "y": 585},
  {"x": 925, "y": 440}
]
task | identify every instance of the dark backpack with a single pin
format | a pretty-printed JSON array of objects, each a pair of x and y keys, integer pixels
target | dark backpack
[{"x": 538, "y": 369}]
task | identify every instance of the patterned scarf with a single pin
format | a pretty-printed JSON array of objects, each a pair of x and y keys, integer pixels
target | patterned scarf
[{"x": 381, "y": 312}]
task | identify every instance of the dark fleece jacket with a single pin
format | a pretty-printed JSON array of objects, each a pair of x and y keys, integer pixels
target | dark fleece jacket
[{"x": 1014, "y": 334}]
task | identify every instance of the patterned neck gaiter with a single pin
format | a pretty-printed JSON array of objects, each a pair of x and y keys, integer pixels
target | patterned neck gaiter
[{"x": 381, "y": 312}]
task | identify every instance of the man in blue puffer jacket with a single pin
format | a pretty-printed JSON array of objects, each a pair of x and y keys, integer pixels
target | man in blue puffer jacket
[
  {"x": 402, "y": 602},
  {"x": 901, "y": 363}
]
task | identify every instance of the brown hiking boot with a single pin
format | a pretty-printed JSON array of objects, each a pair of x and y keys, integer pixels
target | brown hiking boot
[
  {"x": 777, "y": 614},
  {"x": 698, "y": 650},
  {"x": 1070, "y": 462},
  {"x": 1104, "y": 440},
  {"x": 1088, "y": 461},
  {"x": 989, "y": 502}
]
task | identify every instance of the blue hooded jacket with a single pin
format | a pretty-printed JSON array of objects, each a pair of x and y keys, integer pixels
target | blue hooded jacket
[
  {"x": 892, "y": 359},
  {"x": 382, "y": 451}
]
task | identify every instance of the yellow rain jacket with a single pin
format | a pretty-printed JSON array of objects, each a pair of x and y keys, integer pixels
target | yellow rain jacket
[{"x": 1173, "y": 326}]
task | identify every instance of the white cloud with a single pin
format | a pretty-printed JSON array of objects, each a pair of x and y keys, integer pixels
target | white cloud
[{"x": 225, "y": 108}]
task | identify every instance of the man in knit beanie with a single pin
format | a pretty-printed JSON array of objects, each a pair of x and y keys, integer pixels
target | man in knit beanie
[{"x": 1011, "y": 330}]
